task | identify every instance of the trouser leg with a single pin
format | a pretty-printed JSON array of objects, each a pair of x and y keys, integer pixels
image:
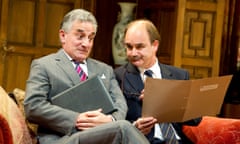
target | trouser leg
[
  {"x": 131, "y": 135},
  {"x": 119, "y": 132}
]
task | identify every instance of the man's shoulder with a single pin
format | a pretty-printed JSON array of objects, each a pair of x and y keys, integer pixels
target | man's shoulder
[
  {"x": 121, "y": 69},
  {"x": 45, "y": 60},
  {"x": 97, "y": 63},
  {"x": 50, "y": 56},
  {"x": 174, "y": 68},
  {"x": 173, "y": 72}
]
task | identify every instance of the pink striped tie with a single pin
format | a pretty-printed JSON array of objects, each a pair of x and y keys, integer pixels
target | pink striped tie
[{"x": 80, "y": 72}]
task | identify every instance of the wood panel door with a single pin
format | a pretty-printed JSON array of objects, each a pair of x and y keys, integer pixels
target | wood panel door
[
  {"x": 28, "y": 30},
  {"x": 198, "y": 37}
]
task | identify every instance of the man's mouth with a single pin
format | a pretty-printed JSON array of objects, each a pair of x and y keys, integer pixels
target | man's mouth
[{"x": 135, "y": 58}]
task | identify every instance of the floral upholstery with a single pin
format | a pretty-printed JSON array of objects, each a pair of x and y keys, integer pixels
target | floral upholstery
[
  {"x": 19, "y": 95},
  {"x": 15, "y": 119}
]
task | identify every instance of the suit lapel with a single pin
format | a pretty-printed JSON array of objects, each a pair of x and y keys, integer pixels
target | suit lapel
[
  {"x": 92, "y": 70},
  {"x": 65, "y": 64},
  {"x": 166, "y": 74},
  {"x": 133, "y": 79}
]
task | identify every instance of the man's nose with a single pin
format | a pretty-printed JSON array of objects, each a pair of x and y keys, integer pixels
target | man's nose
[
  {"x": 85, "y": 41},
  {"x": 134, "y": 51}
]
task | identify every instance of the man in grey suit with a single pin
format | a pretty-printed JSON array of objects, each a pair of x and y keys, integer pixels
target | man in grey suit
[
  {"x": 55, "y": 73},
  {"x": 141, "y": 40}
]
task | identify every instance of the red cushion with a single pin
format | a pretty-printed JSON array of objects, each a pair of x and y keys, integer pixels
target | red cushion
[
  {"x": 213, "y": 130},
  {"x": 16, "y": 121},
  {"x": 5, "y": 132}
]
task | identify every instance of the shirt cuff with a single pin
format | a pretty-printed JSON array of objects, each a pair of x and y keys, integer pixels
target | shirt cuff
[{"x": 113, "y": 119}]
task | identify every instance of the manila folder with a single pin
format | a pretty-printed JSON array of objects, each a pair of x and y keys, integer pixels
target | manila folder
[
  {"x": 182, "y": 100},
  {"x": 85, "y": 96}
]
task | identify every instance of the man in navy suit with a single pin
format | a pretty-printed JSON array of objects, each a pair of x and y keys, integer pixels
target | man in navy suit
[{"x": 141, "y": 41}]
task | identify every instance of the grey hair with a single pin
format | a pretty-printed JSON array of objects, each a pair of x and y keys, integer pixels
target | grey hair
[{"x": 78, "y": 15}]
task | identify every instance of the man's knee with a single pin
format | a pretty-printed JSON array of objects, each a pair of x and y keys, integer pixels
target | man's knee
[{"x": 123, "y": 124}]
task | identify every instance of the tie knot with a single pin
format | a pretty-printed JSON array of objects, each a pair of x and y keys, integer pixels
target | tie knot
[
  {"x": 148, "y": 73},
  {"x": 77, "y": 62}
]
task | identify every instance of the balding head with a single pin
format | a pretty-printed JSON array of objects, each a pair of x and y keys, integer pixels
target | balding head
[{"x": 147, "y": 25}]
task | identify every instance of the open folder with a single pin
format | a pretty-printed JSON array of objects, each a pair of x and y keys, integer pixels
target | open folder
[
  {"x": 182, "y": 100},
  {"x": 88, "y": 95}
]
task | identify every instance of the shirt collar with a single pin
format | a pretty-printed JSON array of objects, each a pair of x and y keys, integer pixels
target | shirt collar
[
  {"x": 155, "y": 68},
  {"x": 83, "y": 64},
  {"x": 71, "y": 59}
]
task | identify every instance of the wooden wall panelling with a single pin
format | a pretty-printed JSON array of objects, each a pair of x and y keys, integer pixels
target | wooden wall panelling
[
  {"x": 89, "y": 5},
  {"x": 3, "y": 29},
  {"x": 28, "y": 30},
  {"x": 54, "y": 10},
  {"x": 198, "y": 39}
]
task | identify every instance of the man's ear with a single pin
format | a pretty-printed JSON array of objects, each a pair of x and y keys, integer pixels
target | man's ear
[
  {"x": 155, "y": 44},
  {"x": 62, "y": 35}
]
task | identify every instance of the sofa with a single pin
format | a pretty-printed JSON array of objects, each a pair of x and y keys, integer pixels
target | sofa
[{"x": 15, "y": 129}]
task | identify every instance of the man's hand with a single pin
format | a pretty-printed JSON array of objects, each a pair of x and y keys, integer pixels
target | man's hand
[
  {"x": 142, "y": 95},
  {"x": 91, "y": 119},
  {"x": 145, "y": 124}
]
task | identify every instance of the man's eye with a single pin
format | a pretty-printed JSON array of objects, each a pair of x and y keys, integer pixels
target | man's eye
[
  {"x": 80, "y": 37},
  {"x": 91, "y": 38},
  {"x": 128, "y": 46},
  {"x": 140, "y": 46}
]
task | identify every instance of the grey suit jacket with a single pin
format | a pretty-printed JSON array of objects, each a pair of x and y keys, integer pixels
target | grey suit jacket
[{"x": 53, "y": 74}]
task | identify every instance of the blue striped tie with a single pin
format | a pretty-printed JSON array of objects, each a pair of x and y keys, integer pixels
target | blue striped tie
[
  {"x": 148, "y": 73},
  {"x": 168, "y": 133}
]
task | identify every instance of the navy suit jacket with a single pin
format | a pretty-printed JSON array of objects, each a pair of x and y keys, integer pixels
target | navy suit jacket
[{"x": 130, "y": 81}]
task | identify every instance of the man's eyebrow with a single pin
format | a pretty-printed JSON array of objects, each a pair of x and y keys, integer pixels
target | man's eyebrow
[
  {"x": 128, "y": 43},
  {"x": 82, "y": 31}
]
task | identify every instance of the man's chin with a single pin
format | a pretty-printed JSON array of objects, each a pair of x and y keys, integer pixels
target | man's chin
[
  {"x": 81, "y": 57},
  {"x": 136, "y": 63}
]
